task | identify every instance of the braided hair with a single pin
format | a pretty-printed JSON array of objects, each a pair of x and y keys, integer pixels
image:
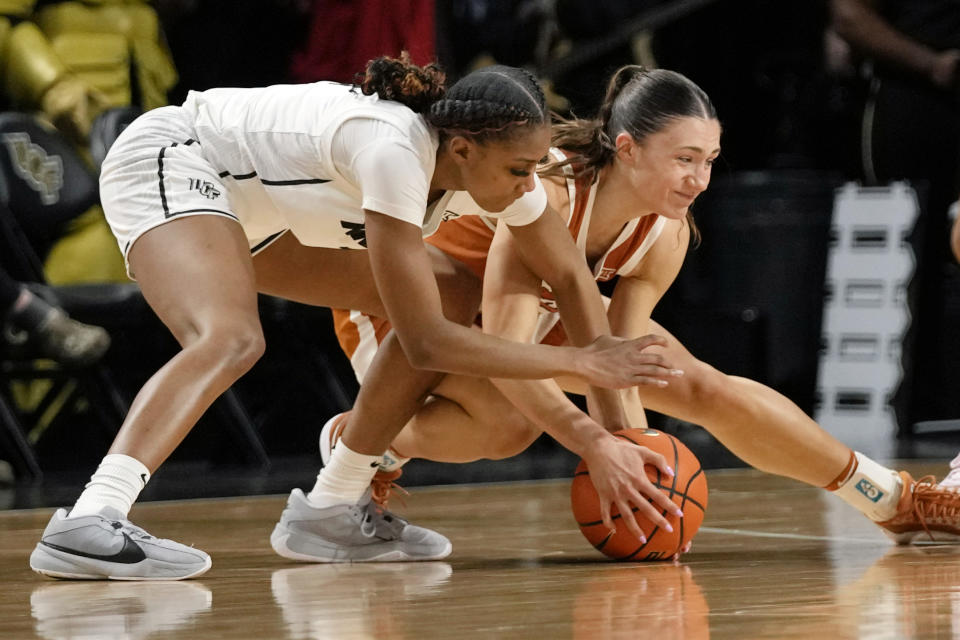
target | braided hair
[{"x": 490, "y": 104}]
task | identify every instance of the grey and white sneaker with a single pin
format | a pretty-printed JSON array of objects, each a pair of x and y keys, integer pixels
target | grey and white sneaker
[
  {"x": 352, "y": 533},
  {"x": 106, "y": 546}
]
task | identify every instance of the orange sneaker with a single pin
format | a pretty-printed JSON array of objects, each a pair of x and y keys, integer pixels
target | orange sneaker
[{"x": 926, "y": 512}]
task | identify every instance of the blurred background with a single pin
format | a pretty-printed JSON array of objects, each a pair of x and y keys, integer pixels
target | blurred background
[{"x": 807, "y": 105}]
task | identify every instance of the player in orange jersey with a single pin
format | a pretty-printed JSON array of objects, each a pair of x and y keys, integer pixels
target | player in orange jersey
[{"x": 624, "y": 182}]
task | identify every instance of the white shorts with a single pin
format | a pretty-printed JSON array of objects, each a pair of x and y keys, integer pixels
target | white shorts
[{"x": 155, "y": 173}]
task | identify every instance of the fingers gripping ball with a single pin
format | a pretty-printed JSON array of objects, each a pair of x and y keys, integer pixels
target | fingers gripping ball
[{"x": 687, "y": 489}]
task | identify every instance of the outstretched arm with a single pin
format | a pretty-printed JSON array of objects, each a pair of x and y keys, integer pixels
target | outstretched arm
[
  {"x": 636, "y": 294},
  {"x": 859, "y": 23},
  {"x": 408, "y": 289},
  {"x": 547, "y": 249},
  {"x": 511, "y": 302}
]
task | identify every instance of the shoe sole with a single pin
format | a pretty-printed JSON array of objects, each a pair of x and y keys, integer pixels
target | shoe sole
[
  {"x": 921, "y": 537},
  {"x": 58, "y": 565},
  {"x": 280, "y": 537}
]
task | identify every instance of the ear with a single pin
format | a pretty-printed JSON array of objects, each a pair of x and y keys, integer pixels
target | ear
[
  {"x": 461, "y": 149},
  {"x": 627, "y": 147}
]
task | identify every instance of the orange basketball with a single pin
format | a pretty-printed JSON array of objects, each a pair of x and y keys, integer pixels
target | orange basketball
[{"x": 687, "y": 489}]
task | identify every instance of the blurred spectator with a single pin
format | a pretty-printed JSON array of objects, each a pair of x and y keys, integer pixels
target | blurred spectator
[
  {"x": 346, "y": 34},
  {"x": 955, "y": 236},
  {"x": 911, "y": 130},
  {"x": 473, "y": 32},
  {"x": 71, "y": 61},
  {"x": 234, "y": 43},
  {"x": 26, "y": 318}
]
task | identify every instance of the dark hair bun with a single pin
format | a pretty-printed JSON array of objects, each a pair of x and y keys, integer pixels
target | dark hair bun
[{"x": 400, "y": 80}]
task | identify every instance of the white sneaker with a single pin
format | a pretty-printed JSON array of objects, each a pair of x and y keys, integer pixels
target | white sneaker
[
  {"x": 352, "y": 533},
  {"x": 952, "y": 481},
  {"x": 106, "y": 545}
]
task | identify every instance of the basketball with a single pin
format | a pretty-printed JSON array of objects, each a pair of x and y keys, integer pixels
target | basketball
[{"x": 687, "y": 489}]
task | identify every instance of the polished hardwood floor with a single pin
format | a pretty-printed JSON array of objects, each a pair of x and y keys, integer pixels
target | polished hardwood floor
[{"x": 774, "y": 559}]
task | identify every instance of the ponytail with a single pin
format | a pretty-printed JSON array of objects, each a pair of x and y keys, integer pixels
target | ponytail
[{"x": 591, "y": 142}]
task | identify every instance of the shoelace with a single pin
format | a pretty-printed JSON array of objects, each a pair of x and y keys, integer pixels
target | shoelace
[
  {"x": 934, "y": 502},
  {"x": 131, "y": 529},
  {"x": 384, "y": 484}
]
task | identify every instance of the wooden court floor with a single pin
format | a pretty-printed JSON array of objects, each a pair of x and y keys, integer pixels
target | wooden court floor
[{"x": 774, "y": 559}]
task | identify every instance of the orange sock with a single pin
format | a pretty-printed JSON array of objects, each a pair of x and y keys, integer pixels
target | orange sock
[{"x": 845, "y": 475}]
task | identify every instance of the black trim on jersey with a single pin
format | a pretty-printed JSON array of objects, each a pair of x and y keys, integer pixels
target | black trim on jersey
[
  {"x": 163, "y": 191},
  {"x": 266, "y": 241},
  {"x": 189, "y": 142},
  {"x": 221, "y": 211},
  {"x": 287, "y": 183},
  {"x": 242, "y": 176},
  {"x": 272, "y": 183}
]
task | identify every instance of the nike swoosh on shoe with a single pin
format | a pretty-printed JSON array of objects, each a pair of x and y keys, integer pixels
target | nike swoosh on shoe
[{"x": 131, "y": 553}]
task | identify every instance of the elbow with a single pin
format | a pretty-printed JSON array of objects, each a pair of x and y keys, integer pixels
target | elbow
[{"x": 423, "y": 353}]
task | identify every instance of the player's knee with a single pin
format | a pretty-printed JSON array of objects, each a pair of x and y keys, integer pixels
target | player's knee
[
  {"x": 511, "y": 437},
  {"x": 239, "y": 345},
  {"x": 703, "y": 384}
]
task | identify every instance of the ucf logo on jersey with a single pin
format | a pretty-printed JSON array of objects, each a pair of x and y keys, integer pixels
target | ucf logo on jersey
[
  {"x": 42, "y": 172},
  {"x": 205, "y": 188}
]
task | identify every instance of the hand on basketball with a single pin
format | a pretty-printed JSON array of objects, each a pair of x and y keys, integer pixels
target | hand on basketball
[
  {"x": 617, "y": 471},
  {"x": 619, "y": 363}
]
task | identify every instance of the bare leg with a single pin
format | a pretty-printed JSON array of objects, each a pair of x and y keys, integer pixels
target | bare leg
[
  {"x": 466, "y": 419},
  {"x": 197, "y": 276},
  {"x": 758, "y": 424},
  {"x": 337, "y": 278},
  {"x": 392, "y": 390},
  {"x": 473, "y": 420}
]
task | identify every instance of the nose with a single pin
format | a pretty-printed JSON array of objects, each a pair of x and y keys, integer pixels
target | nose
[
  {"x": 700, "y": 178},
  {"x": 529, "y": 183}
]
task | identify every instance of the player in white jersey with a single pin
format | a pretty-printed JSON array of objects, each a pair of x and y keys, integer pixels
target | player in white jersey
[
  {"x": 299, "y": 174},
  {"x": 625, "y": 187}
]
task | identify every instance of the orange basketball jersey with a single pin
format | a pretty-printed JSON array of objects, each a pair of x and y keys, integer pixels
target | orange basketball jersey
[{"x": 468, "y": 237}]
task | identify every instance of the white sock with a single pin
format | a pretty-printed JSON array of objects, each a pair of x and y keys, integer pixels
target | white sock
[
  {"x": 345, "y": 478},
  {"x": 872, "y": 489},
  {"x": 116, "y": 483}
]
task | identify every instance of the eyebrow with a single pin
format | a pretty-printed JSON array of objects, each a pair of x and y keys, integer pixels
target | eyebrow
[{"x": 699, "y": 150}]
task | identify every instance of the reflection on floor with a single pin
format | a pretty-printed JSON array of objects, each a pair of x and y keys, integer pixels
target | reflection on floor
[{"x": 774, "y": 560}]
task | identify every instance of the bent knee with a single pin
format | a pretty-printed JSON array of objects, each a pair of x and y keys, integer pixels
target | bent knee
[
  {"x": 235, "y": 346},
  {"x": 700, "y": 383},
  {"x": 510, "y": 437}
]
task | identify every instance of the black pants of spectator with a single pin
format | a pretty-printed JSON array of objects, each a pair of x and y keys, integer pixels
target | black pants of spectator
[
  {"x": 9, "y": 291},
  {"x": 915, "y": 135}
]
